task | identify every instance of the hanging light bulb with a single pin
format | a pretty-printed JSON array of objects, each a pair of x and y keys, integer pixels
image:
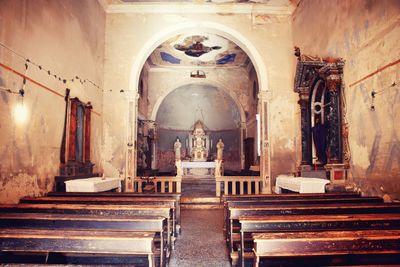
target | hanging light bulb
[{"x": 20, "y": 111}]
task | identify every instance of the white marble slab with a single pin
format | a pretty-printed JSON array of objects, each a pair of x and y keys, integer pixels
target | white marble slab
[
  {"x": 93, "y": 184},
  {"x": 300, "y": 184}
]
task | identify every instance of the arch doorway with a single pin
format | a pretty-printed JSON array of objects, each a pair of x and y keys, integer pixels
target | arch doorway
[{"x": 192, "y": 57}]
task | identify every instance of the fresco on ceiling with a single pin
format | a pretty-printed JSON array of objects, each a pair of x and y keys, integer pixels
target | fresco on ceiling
[
  {"x": 193, "y": 46},
  {"x": 199, "y": 50},
  {"x": 226, "y": 59},
  {"x": 169, "y": 58}
]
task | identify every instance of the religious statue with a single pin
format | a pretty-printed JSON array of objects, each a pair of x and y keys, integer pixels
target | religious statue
[
  {"x": 177, "y": 148},
  {"x": 179, "y": 169},
  {"x": 220, "y": 149},
  {"x": 219, "y": 168}
]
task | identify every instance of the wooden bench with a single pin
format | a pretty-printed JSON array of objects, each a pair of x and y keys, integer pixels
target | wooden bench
[
  {"x": 234, "y": 213},
  {"x": 112, "y": 200},
  {"x": 154, "y": 224},
  {"x": 256, "y": 197},
  {"x": 163, "y": 210},
  {"x": 97, "y": 244},
  {"x": 296, "y": 201},
  {"x": 176, "y": 196},
  {"x": 226, "y": 198},
  {"x": 326, "y": 248},
  {"x": 305, "y": 223}
]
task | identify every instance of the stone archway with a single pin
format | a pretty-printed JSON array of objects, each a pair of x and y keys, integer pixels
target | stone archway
[{"x": 196, "y": 27}]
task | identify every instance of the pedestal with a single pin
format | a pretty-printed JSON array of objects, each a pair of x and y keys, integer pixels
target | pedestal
[{"x": 337, "y": 172}]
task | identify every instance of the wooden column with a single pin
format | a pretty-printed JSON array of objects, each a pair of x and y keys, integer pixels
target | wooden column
[
  {"x": 88, "y": 112},
  {"x": 72, "y": 130},
  {"x": 305, "y": 127},
  {"x": 334, "y": 83}
]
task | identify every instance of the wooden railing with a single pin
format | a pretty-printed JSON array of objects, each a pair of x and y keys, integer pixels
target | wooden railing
[
  {"x": 159, "y": 184},
  {"x": 238, "y": 185}
]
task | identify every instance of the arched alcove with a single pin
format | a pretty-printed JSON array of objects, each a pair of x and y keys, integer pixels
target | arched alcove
[{"x": 185, "y": 105}]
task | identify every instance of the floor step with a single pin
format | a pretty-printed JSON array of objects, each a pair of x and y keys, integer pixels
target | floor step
[
  {"x": 200, "y": 199},
  {"x": 200, "y": 202},
  {"x": 200, "y": 206}
]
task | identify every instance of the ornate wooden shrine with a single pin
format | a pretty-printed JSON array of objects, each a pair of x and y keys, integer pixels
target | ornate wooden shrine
[{"x": 324, "y": 130}]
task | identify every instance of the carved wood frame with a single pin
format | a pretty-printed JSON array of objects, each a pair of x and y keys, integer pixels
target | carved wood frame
[{"x": 309, "y": 71}]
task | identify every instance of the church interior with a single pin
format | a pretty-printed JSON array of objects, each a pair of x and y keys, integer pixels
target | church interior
[{"x": 200, "y": 105}]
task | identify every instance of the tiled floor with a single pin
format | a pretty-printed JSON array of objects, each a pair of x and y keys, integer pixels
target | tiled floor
[{"x": 201, "y": 243}]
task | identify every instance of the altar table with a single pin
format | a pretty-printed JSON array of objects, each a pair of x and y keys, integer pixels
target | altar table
[
  {"x": 190, "y": 167},
  {"x": 93, "y": 184},
  {"x": 300, "y": 184}
]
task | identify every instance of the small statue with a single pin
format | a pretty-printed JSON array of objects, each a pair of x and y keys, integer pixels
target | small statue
[
  {"x": 218, "y": 168},
  {"x": 179, "y": 169},
  {"x": 220, "y": 149},
  {"x": 177, "y": 148}
]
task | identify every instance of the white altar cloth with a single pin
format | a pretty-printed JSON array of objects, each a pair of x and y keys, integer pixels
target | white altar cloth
[
  {"x": 198, "y": 168},
  {"x": 198, "y": 164},
  {"x": 300, "y": 184},
  {"x": 93, "y": 184}
]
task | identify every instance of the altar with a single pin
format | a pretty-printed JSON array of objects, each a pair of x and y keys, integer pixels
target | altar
[{"x": 198, "y": 167}]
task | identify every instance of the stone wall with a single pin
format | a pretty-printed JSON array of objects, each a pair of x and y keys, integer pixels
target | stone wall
[
  {"x": 67, "y": 39},
  {"x": 365, "y": 34}
]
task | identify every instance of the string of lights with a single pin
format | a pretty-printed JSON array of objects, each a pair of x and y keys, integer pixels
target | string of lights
[{"x": 52, "y": 73}]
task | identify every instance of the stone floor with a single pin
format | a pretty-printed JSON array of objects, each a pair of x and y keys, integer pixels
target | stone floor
[{"x": 201, "y": 243}]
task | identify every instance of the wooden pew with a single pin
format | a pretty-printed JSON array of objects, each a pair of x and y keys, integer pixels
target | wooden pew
[
  {"x": 234, "y": 213},
  {"x": 256, "y": 197},
  {"x": 100, "y": 243},
  {"x": 176, "y": 196},
  {"x": 326, "y": 248},
  {"x": 163, "y": 210},
  {"x": 226, "y": 198},
  {"x": 296, "y": 201},
  {"x": 306, "y": 223},
  {"x": 154, "y": 224},
  {"x": 111, "y": 200}
]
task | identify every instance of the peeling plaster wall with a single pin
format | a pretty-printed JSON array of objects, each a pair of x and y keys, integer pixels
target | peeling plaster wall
[
  {"x": 67, "y": 38},
  {"x": 272, "y": 37},
  {"x": 365, "y": 34}
]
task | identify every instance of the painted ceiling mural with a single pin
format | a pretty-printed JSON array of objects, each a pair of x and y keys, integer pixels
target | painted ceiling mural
[{"x": 199, "y": 50}]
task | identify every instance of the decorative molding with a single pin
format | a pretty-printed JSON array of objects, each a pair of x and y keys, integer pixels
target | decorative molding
[{"x": 204, "y": 8}]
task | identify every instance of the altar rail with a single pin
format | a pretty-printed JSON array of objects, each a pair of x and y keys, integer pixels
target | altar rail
[
  {"x": 238, "y": 185},
  {"x": 159, "y": 184}
]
